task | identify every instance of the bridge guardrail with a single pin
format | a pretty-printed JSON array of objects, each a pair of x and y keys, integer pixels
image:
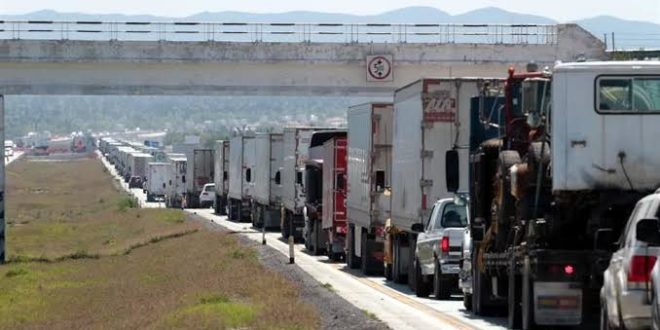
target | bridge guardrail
[{"x": 280, "y": 32}]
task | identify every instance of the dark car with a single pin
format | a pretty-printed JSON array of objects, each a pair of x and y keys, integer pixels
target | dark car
[{"x": 135, "y": 182}]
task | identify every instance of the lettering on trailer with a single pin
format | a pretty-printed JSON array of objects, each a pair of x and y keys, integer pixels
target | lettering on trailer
[
  {"x": 439, "y": 106},
  {"x": 379, "y": 68}
]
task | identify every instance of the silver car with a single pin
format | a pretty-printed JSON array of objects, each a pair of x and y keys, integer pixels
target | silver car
[
  {"x": 655, "y": 297},
  {"x": 439, "y": 249},
  {"x": 625, "y": 295}
]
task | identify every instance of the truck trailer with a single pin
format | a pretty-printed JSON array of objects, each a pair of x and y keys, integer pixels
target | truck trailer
[
  {"x": 176, "y": 182},
  {"x": 221, "y": 177},
  {"x": 267, "y": 197},
  {"x": 241, "y": 177},
  {"x": 370, "y": 130},
  {"x": 325, "y": 187},
  {"x": 295, "y": 151},
  {"x": 138, "y": 164},
  {"x": 200, "y": 173},
  {"x": 431, "y": 116},
  {"x": 551, "y": 194},
  {"x": 157, "y": 180}
]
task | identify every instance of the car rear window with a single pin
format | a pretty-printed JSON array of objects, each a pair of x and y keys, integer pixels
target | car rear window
[
  {"x": 209, "y": 188},
  {"x": 453, "y": 216}
]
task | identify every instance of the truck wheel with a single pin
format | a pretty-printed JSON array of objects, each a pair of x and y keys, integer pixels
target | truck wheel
[
  {"x": 352, "y": 260},
  {"x": 388, "y": 272},
  {"x": 441, "y": 289},
  {"x": 365, "y": 254},
  {"x": 422, "y": 289},
  {"x": 397, "y": 275},
  {"x": 513, "y": 297},
  {"x": 285, "y": 226},
  {"x": 216, "y": 205},
  {"x": 467, "y": 301},
  {"x": 527, "y": 298}
]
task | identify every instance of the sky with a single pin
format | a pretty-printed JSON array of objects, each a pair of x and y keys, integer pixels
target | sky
[{"x": 561, "y": 10}]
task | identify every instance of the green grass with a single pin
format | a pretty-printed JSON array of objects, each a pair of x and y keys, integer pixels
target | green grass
[
  {"x": 88, "y": 260},
  {"x": 215, "y": 313}
]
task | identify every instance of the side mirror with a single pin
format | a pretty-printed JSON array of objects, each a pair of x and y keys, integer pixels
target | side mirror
[
  {"x": 604, "y": 239},
  {"x": 417, "y": 227},
  {"x": 648, "y": 231},
  {"x": 478, "y": 230},
  {"x": 451, "y": 170}
]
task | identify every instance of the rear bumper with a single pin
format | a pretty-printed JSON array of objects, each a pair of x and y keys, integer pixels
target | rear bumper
[{"x": 635, "y": 313}]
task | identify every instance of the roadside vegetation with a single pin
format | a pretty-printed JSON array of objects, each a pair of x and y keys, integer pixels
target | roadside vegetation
[{"x": 82, "y": 256}]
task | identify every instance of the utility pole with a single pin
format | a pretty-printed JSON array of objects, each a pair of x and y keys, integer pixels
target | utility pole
[{"x": 613, "y": 44}]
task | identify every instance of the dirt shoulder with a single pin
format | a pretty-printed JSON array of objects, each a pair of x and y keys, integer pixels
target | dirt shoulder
[{"x": 334, "y": 311}]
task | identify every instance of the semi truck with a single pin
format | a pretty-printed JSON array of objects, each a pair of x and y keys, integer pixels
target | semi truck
[
  {"x": 267, "y": 198},
  {"x": 551, "y": 194},
  {"x": 200, "y": 172},
  {"x": 241, "y": 177},
  {"x": 138, "y": 164},
  {"x": 431, "y": 116},
  {"x": 325, "y": 187},
  {"x": 370, "y": 129},
  {"x": 221, "y": 177},
  {"x": 295, "y": 152},
  {"x": 157, "y": 179},
  {"x": 177, "y": 181}
]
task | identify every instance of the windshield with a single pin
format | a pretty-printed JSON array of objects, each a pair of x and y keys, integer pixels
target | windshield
[
  {"x": 209, "y": 187},
  {"x": 452, "y": 216}
]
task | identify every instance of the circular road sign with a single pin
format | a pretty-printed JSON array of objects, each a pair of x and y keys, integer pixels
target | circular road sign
[{"x": 379, "y": 68}]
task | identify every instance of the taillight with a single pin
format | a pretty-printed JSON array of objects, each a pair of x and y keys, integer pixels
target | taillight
[
  {"x": 444, "y": 245},
  {"x": 569, "y": 270},
  {"x": 640, "y": 268}
]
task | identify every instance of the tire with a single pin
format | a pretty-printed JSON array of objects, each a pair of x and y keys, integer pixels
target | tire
[
  {"x": 217, "y": 205},
  {"x": 441, "y": 289},
  {"x": 315, "y": 237},
  {"x": 284, "y": 229},
  {"x": 604, "y": 323},
  {"x": 422, "y": 289},
  {"x": 655, "y": 316},
  {"x": 527, "y": 301},
  {"x": 467, "y": 301},
  {"x": 513, "y": 297},
  {"x": 397, "y": 275},
  {"x": 365, "y": 255},
  {"x": 352, "y": 261},
  {"x": 387, "y": 272}
]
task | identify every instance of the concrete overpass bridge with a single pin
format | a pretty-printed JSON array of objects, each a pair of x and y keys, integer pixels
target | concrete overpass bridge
[
  {"x": 188, "y": 58},
  {"x": 142, "y": 58}
]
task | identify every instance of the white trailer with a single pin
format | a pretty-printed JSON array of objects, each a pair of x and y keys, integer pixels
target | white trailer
[
  {"x": 267, "y": 197},
  {"x": 431, "y": 116},
  {"x": 137, "y": 164},
  {"x": 370, "y": 130},
  {"x": 241, "y": 180},
  {"x": 200, "y": 170},
  {"x": 176, "y": 183},
  {"x": 296, "y": 145},
  {"x": 158, "y": 176},
  {"x": 221, "y": 176}
]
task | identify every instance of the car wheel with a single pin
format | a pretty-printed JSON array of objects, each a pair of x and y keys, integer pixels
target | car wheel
[
  {"x": 655, "y": 315},
  {"x": 421, "y": 287},
  {"x": 441, "y": 290}
]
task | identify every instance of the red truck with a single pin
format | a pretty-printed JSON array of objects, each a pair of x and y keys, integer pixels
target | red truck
[{"x": 325, "y": 214}]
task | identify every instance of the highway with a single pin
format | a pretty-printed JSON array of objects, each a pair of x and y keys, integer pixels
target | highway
[{"x": 394, "y": 304}]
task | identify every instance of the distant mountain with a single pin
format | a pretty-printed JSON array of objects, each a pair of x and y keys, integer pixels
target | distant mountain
[{"x": 628, "y": 34}]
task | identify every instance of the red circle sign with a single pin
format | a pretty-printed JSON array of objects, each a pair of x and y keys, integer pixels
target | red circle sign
[{"x": 379, "y": 68}]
